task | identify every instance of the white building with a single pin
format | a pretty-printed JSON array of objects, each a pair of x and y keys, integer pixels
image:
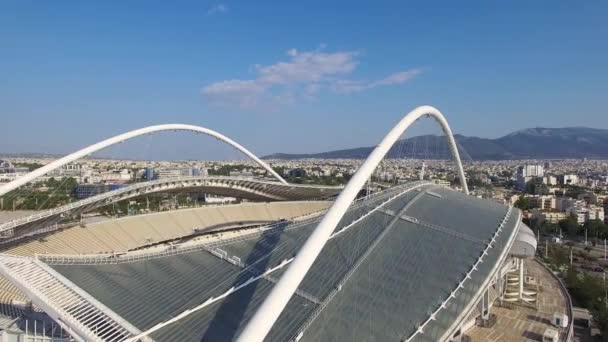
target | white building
[
  {"x": 69, "y": 170},
  {"x": 566, "y": 203},
  {"x": 172, "y": 172},
  {"x": 550, "y": 180},
  {"x": 531, "y": 171},
  {"x": 551, "y": 217},
  {"x": 595, "y": 213},
  {"x": 527, "y": 173},
  {"x": 587, "y": 213},
  {"x": 116, "y": 176},
  {"x": 569, "y": 179},
  {"x": 547, "y": 203}
]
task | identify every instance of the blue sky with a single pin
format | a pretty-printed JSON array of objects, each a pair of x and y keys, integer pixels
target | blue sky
[{"x": 288, "y": 76}]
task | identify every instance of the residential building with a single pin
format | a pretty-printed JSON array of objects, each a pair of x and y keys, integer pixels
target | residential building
[
  {"x": 82, "y": 191},
  {"x": 116, "y": 176},
  {"x": 173, "y": 172},
  {"x": 296, "y": 173},
  {"x": 587, "y": 213},
  {"x": 549, "y": 216},
  {"x": 588, "y": 197},
  {"x": 149, "y": 173},
  {"x": 542, "y": 202},
  {"x": 550, "y": 180},
  {"x": 528, "y": 173},
  {"x": 565, "y": 203},
  {"x": 569, "y": 180}
]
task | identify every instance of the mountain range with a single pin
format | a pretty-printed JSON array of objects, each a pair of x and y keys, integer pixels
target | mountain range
[{"x": 530, "y": 143}]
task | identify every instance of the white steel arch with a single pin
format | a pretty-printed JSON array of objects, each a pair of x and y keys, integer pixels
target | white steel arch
[
  {"x": 266, "y": 315},
  {"x": 126, "y": 136}
]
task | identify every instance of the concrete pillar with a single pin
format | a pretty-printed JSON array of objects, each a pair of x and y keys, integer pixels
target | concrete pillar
[
  {"x": 521, "y": 278},
  {"x": 485, "y": 305},
  {"x": 501, "y": 281}
]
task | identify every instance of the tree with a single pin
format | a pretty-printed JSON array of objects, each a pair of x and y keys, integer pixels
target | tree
[
  {"x": 588, "y": 292},
  {"x": 596, "y": 228},
  {"x": 569, "y": 225},
  {"x": 574, "y": 190},
  {"x": 559, "y": 255},
  {"x": 600, "y": 318},
  {"x": 549, "y": 228},
  {"x": 522, "y": 203}
]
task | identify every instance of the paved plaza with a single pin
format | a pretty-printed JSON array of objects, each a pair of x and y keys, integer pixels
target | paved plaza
[{"x": 519, "y": 323}]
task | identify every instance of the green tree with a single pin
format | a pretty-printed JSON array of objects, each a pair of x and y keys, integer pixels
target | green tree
[
  {"x": 574, "y": 190},
  {"x": 559, "y": 255},
  {"x": 600, "y": 318},
  {"x": 589, "y": 292},
  {"x": 549, "y": 228},
  {"x": 522, "y": 203},
  {"x": 569, "y": 225},
  {"x": 596, "y": 228}
]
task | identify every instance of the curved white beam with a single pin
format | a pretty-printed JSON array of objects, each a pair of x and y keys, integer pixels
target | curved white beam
[
  {"x": 126, "y": 136},
  {"x": 265, "y": 317}
]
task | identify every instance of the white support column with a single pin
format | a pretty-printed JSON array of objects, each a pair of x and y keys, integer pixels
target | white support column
[
  {"x": 485, "y": 306},
  {"x": 501, "y": 282},
  {"x": 521, "y": 278}
]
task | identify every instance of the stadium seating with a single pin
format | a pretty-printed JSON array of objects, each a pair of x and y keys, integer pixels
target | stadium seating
[{"x": 132, "y": 232}]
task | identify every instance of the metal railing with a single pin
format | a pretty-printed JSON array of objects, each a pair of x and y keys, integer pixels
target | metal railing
[
  {"x": 64, "y": 302},
  {"x": 570, "y": 329}
]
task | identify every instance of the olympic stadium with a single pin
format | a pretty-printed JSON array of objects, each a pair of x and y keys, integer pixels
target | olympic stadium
[{"x": 414, "y": 262}]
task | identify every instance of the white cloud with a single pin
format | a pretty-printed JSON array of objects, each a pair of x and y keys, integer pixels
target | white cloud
[
  {"x": 306, "y": 73},
  {"x": 397, "y": 78},
  {"x": 217, "y": 9},
  {"x": 244, "y": 93},
  {"x": 313, "y": 89},
  {"x": 350, "y": 86},
  {"x": 305, "y": 67}
]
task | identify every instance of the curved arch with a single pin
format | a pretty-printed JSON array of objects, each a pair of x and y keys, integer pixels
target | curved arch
[
  {"x": 265, "y": 317},
  {"x": 126, "y": 136}
]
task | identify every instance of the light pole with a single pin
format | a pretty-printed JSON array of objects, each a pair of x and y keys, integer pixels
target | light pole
[{"x": 605, "y": 291}]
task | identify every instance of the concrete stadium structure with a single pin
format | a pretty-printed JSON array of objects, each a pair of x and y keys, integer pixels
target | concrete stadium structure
[
  {"x": 252, "y": 189},
  {"x": 414, "y": 262},
  {"x": 114, "y": 237}
]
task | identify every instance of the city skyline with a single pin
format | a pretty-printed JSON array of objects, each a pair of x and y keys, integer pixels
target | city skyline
[{"x": 487, "y": 68}]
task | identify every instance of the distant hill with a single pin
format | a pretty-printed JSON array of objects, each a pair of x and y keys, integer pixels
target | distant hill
[
  {"x": 531, "y": 143},
  {"x": 33, "y": 155}
]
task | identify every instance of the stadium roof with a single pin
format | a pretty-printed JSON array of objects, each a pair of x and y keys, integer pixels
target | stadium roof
[{"x": 403, "y": 265}]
